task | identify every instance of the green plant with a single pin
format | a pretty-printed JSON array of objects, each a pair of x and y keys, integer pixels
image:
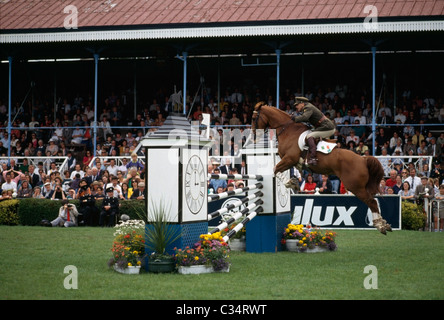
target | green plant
[
  {"x": 159, "y": 232},
  {"x": 9, "y": 212},
  {"x": 412, "y": 215},
  {"x": 210, "y": 250}
]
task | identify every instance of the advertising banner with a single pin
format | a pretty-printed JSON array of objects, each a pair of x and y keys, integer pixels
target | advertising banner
[{"x": 343, "y": 211}]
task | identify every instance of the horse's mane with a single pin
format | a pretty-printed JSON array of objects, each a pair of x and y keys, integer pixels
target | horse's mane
[{"x": 274, "y": 109}]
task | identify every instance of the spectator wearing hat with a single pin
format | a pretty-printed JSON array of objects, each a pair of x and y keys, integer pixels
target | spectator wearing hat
[
  {"x": 87, "y": 205},
  {"x": 323, "y": 127},
  {"x": 110, "y": 208}
]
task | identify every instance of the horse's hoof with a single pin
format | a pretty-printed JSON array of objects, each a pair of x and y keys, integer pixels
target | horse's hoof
[{"x": 381, "y": 225}]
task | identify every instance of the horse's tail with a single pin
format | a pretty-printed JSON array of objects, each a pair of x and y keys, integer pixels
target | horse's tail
[{"x": 376, "y": 173}]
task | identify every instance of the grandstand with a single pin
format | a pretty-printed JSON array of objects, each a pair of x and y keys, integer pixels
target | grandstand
[{"x": 110, "y": 72}]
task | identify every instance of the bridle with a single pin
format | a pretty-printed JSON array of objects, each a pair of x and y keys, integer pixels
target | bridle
[{"x": 267, "y": 127}]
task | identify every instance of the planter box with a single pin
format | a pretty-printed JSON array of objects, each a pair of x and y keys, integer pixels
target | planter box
[
  {"x": 161, "y": 266},
  {"x": 292, "y": 245},
  {"x": 199, "y": 269},
  {"x": 128, "y": 270}
]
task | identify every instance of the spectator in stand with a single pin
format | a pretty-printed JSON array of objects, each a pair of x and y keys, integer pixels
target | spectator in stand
[
  {"x": 417, "y": 138},
  {"x": 398, "y": 186},
  {"x": 424, "y": 190},
  {"x": 434, "y": 149},
  {"x": 37, "y": 193},
  {"x": 409, "y": 147},
  {"x": 325, "y": 186},
  {"x": 77, "y": 170},
  {"x": 25, "y": 190},
  {"x": 87, "y": 158},
  {"x": 135, "y": 163},
  {"x": 413, "y": 180},
  {"x": 383, "y": 187},
  {"x": 122, "y": 168},
  {"x": 352, "y": 137},
  {"x": 406, "y": 192},
  {"x": 392, "y": 180},
  {"x": 11, "y": 181},
  {"x": 422, "y": 149},
  {"x": 309, "y": 185},
  {"x": 47, "y": 190}
]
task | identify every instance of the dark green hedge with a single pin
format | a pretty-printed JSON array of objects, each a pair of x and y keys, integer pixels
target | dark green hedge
[{"x": 31, "y": 212}]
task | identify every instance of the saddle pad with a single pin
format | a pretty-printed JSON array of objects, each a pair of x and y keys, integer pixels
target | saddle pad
[{"x": 323, "y": 146}]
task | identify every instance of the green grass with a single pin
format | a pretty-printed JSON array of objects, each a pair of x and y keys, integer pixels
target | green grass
[{"x": 410, "y": 265}]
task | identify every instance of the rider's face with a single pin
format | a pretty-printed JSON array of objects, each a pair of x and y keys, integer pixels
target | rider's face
[{"x": 299, "y": 106}]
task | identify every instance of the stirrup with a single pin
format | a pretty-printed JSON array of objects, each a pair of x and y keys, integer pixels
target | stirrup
[{"x": 312, "y": 161}]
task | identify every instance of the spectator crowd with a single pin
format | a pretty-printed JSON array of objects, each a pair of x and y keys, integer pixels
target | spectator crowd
[{"x": 39, "y": 131}]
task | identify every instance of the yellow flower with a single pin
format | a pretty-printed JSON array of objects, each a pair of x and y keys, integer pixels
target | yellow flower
[
  {"x": 301, "y": 242},
  {"x": 129, "y": 264},
  {"x": 196, "y": 258},
  {"x": 139, "y": 263}
]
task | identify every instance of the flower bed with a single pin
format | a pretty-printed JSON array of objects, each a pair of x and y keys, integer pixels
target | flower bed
[
  {"x": 210, "y": 250},
  {"x": 128, "y": 247},
  {"x": 307, "y": 239}
]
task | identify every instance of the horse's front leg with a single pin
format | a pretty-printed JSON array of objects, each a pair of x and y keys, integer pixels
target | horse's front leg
[{"x": 281, "y": 167}]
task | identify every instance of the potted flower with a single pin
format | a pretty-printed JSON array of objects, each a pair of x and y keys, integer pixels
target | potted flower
[
  {"x": 128, "y": 247},
  {"x": 209, "y": 254},
  {"x": 298, "y": 238},
  {"x": 159, "y": 235},
  {"x": 238, "y": 241}
]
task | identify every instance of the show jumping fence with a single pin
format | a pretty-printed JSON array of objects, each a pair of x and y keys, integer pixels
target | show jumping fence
[{"x": 253, "y": 203}]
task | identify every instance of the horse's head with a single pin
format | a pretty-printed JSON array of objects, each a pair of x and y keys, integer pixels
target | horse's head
[{"x": 258, "y": 121}]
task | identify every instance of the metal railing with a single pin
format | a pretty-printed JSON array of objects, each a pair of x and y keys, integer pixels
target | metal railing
[{"x": 388, "y": 162}]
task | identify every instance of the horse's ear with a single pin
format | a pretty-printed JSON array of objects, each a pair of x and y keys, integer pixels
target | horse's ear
[{"x": 259, "y": 104}]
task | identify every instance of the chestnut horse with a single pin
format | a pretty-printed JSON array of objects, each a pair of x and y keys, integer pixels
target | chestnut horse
[{"x": 360, "y": 175}]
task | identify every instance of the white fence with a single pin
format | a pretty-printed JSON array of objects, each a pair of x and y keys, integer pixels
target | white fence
[{"x": 389, "y": 162}]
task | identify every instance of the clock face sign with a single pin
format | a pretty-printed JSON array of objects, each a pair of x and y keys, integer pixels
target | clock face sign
[
  {"x": 195, "y": 184},
  {"x": 282, "y": 193}
]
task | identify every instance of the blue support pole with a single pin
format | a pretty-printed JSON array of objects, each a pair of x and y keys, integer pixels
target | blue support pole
[
  {"x": 373, "y": 98},
  {"x": 96, "y": 67},
  {"x": 184, "y": 55},
  {"x": 9, "y": 107},
  {"x": 278, "y": 71}
]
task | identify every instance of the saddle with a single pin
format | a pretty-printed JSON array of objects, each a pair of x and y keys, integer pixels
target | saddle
[{"x": 322, "y": 145}]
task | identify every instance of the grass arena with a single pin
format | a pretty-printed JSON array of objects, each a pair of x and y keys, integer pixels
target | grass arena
[{"x": 408, "y": 265}]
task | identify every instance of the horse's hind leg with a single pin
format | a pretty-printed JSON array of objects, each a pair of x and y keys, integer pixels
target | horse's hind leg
[{"x": 378, "y": 222}]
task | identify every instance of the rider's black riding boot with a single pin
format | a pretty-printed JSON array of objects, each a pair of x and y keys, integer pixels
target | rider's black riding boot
[{"x": 312, "y": 152}]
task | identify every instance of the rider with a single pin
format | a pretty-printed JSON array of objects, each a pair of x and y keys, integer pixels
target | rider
[{"x": 323, "y": 126}]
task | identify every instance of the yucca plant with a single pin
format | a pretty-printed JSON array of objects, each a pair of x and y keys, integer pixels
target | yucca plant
[{"x": 159, "y": 232}]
